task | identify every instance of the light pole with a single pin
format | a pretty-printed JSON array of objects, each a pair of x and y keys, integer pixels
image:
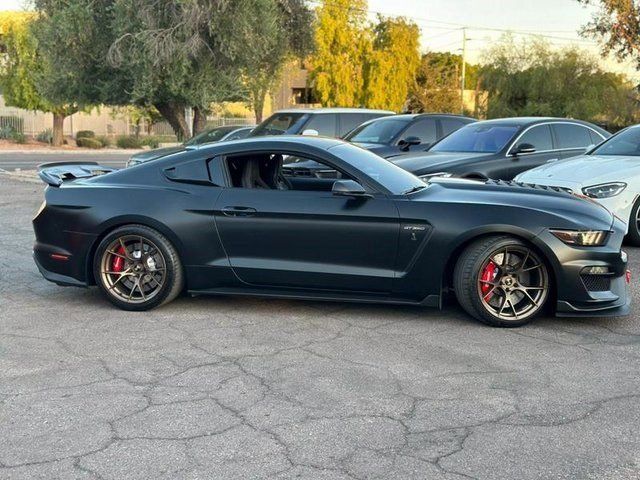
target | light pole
[{"x": 463, "y": 69}]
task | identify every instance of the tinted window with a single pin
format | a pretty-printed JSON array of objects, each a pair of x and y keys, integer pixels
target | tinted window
[
  {"x": 349, "y": 121},
  {"x": 450, "y": 125},
  {"x": 425, "y": 129},
  {"x": 477, "y": 137},
  {"x": 390, "y": 176},
  {"x": 627, "y": 142},
  {"x": 238, "y": 134},
  {"x": 325, "y": 124},
  {"x": 539, "y": 137},
  {"x": 279, "y": 123},
  {"x": 595, "y": 138},
  {"x": 572, "y": 136},
  {"x": 382, "y": 131},
  {"x": 208, "y": 136}
]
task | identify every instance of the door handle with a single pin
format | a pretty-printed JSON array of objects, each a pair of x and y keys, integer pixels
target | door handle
[{"x": 239, "y": 211}]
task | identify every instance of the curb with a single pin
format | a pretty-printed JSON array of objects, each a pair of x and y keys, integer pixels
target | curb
[{"x": 122, "y": 151}]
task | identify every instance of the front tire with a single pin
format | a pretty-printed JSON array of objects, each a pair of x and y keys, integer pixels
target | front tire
[
  {"x": 501, "y": 281},
  {"x": 136, "y": 268},
  {"x": 633, "y": 236}
]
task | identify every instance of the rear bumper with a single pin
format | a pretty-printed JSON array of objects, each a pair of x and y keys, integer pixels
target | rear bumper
[{"x": 57, "y": 278}]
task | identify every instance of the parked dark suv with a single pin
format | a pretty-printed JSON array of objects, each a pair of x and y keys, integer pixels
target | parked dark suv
[
  {"x": 400, "y": 134},
  {"x": 502, "y": 148},
  {"x": 326, "y": 122}
]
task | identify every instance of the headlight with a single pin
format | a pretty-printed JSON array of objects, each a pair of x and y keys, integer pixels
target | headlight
[
  {"x": 428, "y": 176},
  {"x": 582, "y": 238},
  {"x": 604, "y": 190}
]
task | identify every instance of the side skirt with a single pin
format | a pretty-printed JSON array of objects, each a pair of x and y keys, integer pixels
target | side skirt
[{"x": 429, "y": 301}]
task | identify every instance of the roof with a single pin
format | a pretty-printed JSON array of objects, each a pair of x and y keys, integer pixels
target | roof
[
  {"x": 333, "y": 110},
  {"x": 277, "y": 141}
]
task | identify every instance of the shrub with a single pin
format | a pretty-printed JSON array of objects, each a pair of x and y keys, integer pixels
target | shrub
[
  {"x": 18, "y": 137},
  {"x": 104, "y": 140},
  {"x": 85, "y": 134},
  {"x": 11, "y": 121},
  {"x": 151, "y": 141},
  {"x": 6, "y": 132},
  {"x": 88, "y": 143},
  {"x": 45, "y": 136},
  {"x": 128, "y": 142}
]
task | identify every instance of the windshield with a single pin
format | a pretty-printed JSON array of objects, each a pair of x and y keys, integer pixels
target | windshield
[
  {"x": 477, "y": 138},
  {"x": 209, "y": 136},
  {"x": 381, "y": 131},
  {"x": 625, "y": 143},
  {"x": 278, "y": 124},
  {"x": 391, "y": 177}
]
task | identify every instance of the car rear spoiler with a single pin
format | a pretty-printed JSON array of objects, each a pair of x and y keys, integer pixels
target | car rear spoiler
[{"x": 55, "y": 174}]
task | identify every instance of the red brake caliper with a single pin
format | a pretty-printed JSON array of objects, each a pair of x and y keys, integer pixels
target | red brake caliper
[
  {"x": 489, "y": 274},
  {"x": 117, "y": 264}
]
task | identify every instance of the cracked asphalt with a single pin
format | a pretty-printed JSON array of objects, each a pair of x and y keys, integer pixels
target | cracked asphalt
[{"x": 241, "y": 388}]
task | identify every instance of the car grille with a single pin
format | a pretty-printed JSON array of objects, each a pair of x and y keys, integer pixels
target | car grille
[{"x": 596, "y": 283}]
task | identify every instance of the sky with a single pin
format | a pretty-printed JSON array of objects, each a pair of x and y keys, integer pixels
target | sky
[{"x": 441, "y": 23}]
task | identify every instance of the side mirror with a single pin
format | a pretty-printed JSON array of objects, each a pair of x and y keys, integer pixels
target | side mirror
[
  {"x": 524, "y": 148},
  {"x": 349, "y": 188},
  {"x": 406, "y": 143},
  {"x": 310, "y": 132}
]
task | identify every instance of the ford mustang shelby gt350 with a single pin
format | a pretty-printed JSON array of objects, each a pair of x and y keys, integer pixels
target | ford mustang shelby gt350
[{"x": 225, "y": 219}]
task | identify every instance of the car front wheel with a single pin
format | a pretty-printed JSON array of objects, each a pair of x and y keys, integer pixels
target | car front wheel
[
  {"x": 137, "y": 268},
  {"x": 501, "y": 281}
]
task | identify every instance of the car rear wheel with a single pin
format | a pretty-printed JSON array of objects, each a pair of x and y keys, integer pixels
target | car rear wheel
[
  {"x": 633, "y": 236},
  {"x": 501, "y": 281},
  {"x": 137, "y": 268}
]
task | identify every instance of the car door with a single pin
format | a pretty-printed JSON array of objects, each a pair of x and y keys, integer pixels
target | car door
[
  {"x": 572, "y": 139},
  {"x": 541, "y": 138},
  {"x": 309, "y": 239}
]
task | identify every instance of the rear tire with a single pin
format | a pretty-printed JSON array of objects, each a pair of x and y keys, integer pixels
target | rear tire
[
  {"x": 633, "y": 236},
  {"x": 501, "y": 281},
  {"x": 136, "y": 268}
]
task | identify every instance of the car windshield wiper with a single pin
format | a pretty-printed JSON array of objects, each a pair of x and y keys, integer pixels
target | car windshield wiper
[{"x": 417, "y": 188}]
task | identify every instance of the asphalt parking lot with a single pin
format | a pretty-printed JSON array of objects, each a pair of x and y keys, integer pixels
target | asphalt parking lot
[{"x": 240, "y": 388}]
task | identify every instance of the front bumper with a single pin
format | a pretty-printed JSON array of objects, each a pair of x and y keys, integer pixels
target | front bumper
[{"x": 582, "y": 293}]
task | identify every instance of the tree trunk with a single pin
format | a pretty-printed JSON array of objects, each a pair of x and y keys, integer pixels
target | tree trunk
[
  {"x": 199, "y": 120},
  {"x": 173, "y": 113},
  {"x": 259, "y": 97},
  {"x": 58, "y": 129}
]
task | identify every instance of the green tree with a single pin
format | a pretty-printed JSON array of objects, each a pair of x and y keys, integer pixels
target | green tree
[
  {"x": 264, "y": 63},
  {"x": 391, "y": 66},
  {"x": 342, "y": 43},
  {"x": 533, "y": 79},
  {"x": 437, "y": 85},
  {"x": 23, "y": 74}
]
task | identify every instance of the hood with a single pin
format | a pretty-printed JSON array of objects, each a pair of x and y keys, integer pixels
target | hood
[
  {"x": 583, "y": 170},
  {"x": 156, "y": 153},
  {"x": 569, "y": 211},
  {"x": 431, "y": 162}
]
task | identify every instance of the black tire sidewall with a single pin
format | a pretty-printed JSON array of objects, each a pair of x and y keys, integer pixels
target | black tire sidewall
[
  {"x": 472, "y": 260},
  {"x": 633, "y": 235},
  {"x": 169, "y": 256}
]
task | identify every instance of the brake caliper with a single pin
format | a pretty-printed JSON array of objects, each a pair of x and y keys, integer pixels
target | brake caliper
[
  {"x": 489, "y": 274},
  {"x": 117, "y": 264}
]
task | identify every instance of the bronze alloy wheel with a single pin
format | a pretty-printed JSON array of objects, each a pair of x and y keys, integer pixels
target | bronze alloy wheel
[
  {"x": 133, "y": 269},
  {"x": 513, "y": 283}
]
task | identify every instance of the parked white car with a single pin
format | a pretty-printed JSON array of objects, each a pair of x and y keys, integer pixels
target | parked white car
[{"x": 608, "y": 173}]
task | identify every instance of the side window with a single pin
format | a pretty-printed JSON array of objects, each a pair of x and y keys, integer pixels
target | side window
[
  {"x": 595, "y": 138},
  {"x": 539, "y": 137},
  {"x": 280, "y": 171},
  {"x": 572, "y": 136},
  {"x": 450, "y": 125},
  {"x": 238, "y": 134},
  {"x": 349, "y": 121},
  {"x": 324, "y": 123},
  {"x": 424, "y": 129}
]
